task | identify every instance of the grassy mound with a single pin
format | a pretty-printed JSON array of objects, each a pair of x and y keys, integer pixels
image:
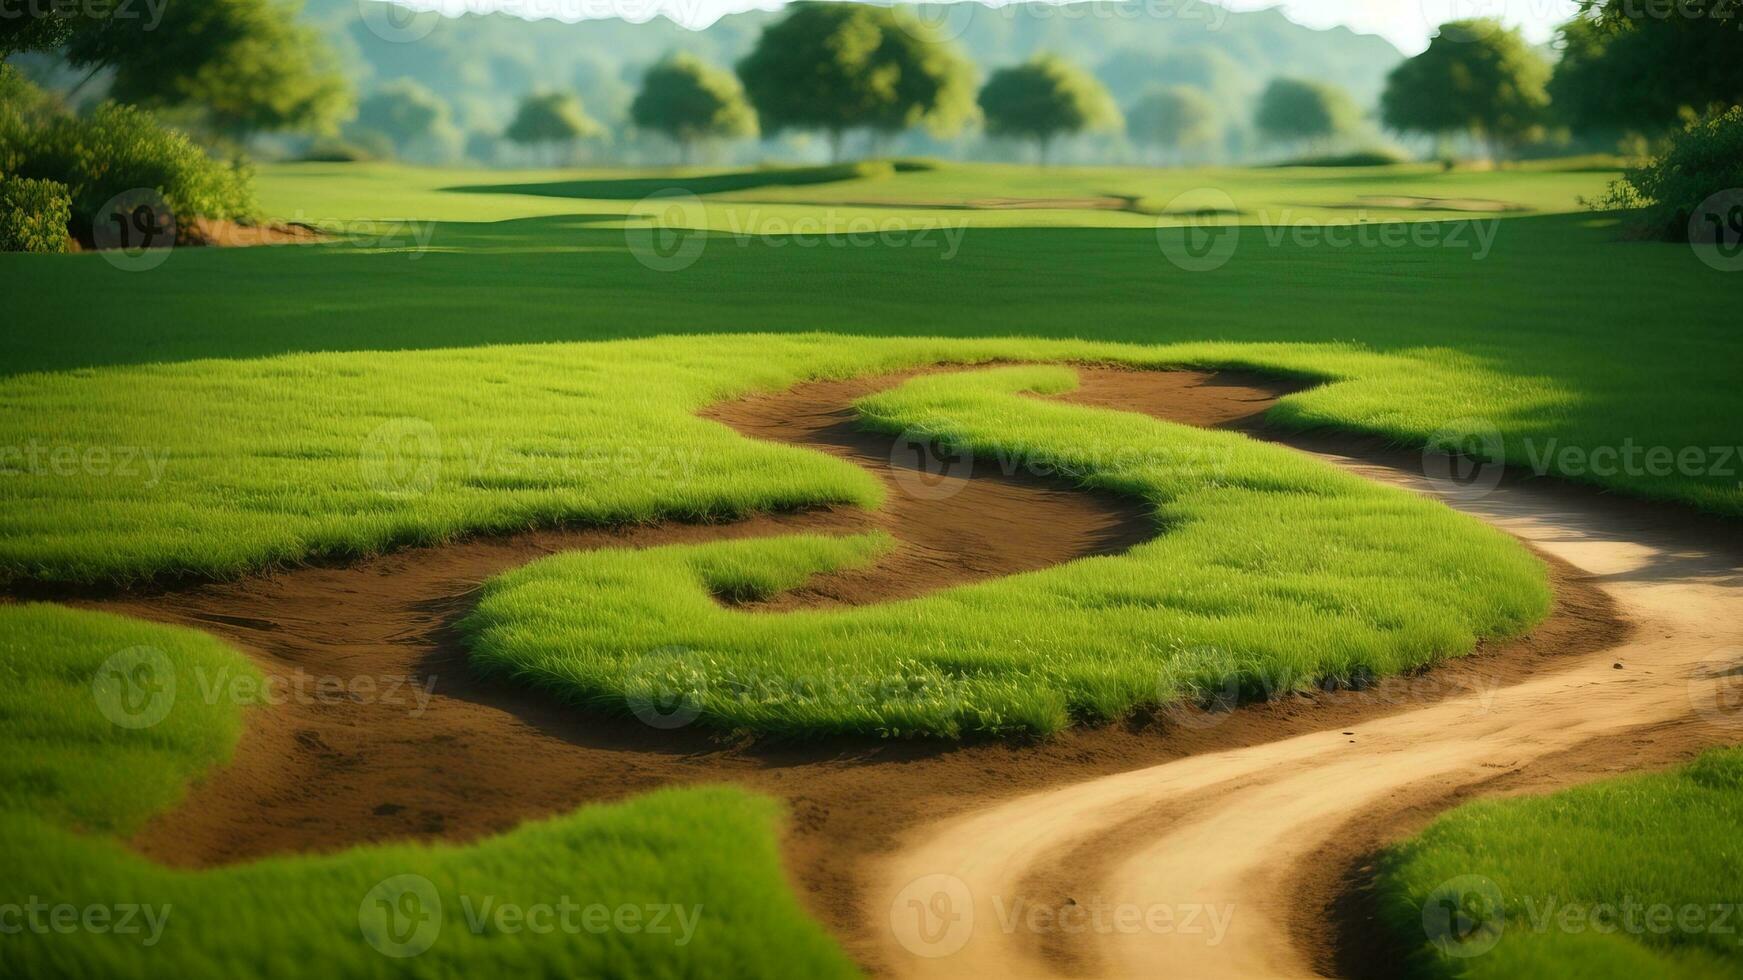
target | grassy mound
[
  {"x": 107, "y": 720},
  {"x": 1367, "y": 581},
  {"x": 1625, "y": 878}
]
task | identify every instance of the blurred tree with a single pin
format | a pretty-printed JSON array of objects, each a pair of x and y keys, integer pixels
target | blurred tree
[
  {"x": 1476, "y": 77},
  {"x": 553, "y": 121},
  {"x": 1044, "y": 99},
  {"x": 1625, "y": 68},
  {"x": 418, "y": 122},
  {"x": 1293, "y": 110},
  {"x": 1178, "y": 118},
  {"x": 247, "y": 65},
  {"x": 688, "y": 100},
  {"x": 837, "y": 67}
]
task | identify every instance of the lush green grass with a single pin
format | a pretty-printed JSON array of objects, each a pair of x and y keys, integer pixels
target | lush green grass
[
  {"x": 72, "y": 781},
  {"x": 1559, "y": 332},
  {"x": 1631, "y": 877},
  {"x": 1367, "y": 582}
]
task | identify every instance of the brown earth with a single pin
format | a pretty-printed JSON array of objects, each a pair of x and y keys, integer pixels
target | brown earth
[{"x": 429, "y": 751}]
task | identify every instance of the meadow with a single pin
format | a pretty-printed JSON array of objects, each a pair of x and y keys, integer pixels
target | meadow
[{"x": 488, "y": 352}]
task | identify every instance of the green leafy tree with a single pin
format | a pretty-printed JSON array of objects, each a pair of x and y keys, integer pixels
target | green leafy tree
[
  {"x": 1176, "y": 118},
  {"x": 1293, "y": 110},
  {"x": 1627, "y": 68},
  {"x": 1476, "y": 77},
  {"x": 416, "y": 120},
  {"x": 1044, "y": 99},
  {"x": 248, "y": 66},
  {"x": 838, "y": 67},
  {"x": 689, "y": 100},
  {"x": 553, "y": 121}
]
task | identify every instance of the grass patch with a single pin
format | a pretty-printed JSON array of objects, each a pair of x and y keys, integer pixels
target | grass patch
[
  {"x": 73, "y": 781},
  {"x": 1368, "y": 582},
  {"x": 1624, "y": 878}
]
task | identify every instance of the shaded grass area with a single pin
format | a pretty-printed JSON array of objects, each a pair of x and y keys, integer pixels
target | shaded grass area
[
  {"x": 635, "y": 188},
  {"x": 73, "y": 781},
  {"x": 1632, "y": 877},
  {"x": 1368, "y": 582}
]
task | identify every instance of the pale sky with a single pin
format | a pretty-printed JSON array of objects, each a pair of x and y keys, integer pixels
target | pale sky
[{"x": 1406, "y": 23}]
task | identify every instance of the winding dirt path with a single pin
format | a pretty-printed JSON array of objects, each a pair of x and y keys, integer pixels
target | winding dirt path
[
  {"x": 424, "y": 750},
  {"x": 1229, "y": 864}
]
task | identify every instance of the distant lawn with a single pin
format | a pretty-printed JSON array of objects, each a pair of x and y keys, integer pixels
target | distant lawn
[
  {"x": 1364, "y": 581},
  {"x": 1640, "y": 876},
  {"x": 73, "y": 779}
]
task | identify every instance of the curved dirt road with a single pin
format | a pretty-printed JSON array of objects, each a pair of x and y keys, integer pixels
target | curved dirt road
[{"x": 1202, "y": 867}]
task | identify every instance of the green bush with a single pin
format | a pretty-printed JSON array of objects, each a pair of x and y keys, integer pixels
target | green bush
[
  {"x": 33, "y": 215},
  {"x": 114, "y": 149},
  {"x": 1703, "y": 160},
  {"x": 1362, "y": 158}
]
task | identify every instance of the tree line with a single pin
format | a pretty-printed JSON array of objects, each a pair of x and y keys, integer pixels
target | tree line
[{"x": 237, "y": 68}]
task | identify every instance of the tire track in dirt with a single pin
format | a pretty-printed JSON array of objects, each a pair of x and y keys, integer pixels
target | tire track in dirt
[{"x": 1262, "y": 838}]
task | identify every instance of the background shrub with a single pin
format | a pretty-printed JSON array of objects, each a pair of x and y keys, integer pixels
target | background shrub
[
  {"x": 115, "y": 148},
  {"x": 1703, "y": 160},
  {"x": 33, "y": 215}
]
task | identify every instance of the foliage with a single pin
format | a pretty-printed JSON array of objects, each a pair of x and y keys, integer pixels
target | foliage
[
  {"x": 1476, "y": 77},
  {"x": 554, "y": 117},
  {"x": 1703, "y": 160},
  {"x": 416, "y": 121},
  {"x": 1294, "y": 109},
  {"x": 115, "y": 149},
  {"x": 1360, "y": 158},
  {"x": 1044, "y": 99},
  {"x": 1602, "y": 857},
  {"x": 836, "y": 67},
  {"x": 688, "y": 99},
  {"x": 1176, "y": 117},
  {"x": 33, "y": 215},
  {"x": 1648, "y": 68},
  {"x": 75, "y": 784},
  {"x": 247, "y": 65}
]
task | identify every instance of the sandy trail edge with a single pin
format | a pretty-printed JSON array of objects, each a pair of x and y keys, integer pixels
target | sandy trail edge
[{"x": 1247, "y": 837}]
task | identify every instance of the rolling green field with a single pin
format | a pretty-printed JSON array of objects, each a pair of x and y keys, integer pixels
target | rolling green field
[
  {"x": 486, "y": 352},
  {"x": 1629, "y": 877}
]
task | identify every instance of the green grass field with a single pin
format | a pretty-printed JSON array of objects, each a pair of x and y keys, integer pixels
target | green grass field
[
  {"x": 486, "y": 352},
  {"x": 696, "y": 871},
  {"x": 1369, "y": 582},
  {"x": 1629, "y": 877}
]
